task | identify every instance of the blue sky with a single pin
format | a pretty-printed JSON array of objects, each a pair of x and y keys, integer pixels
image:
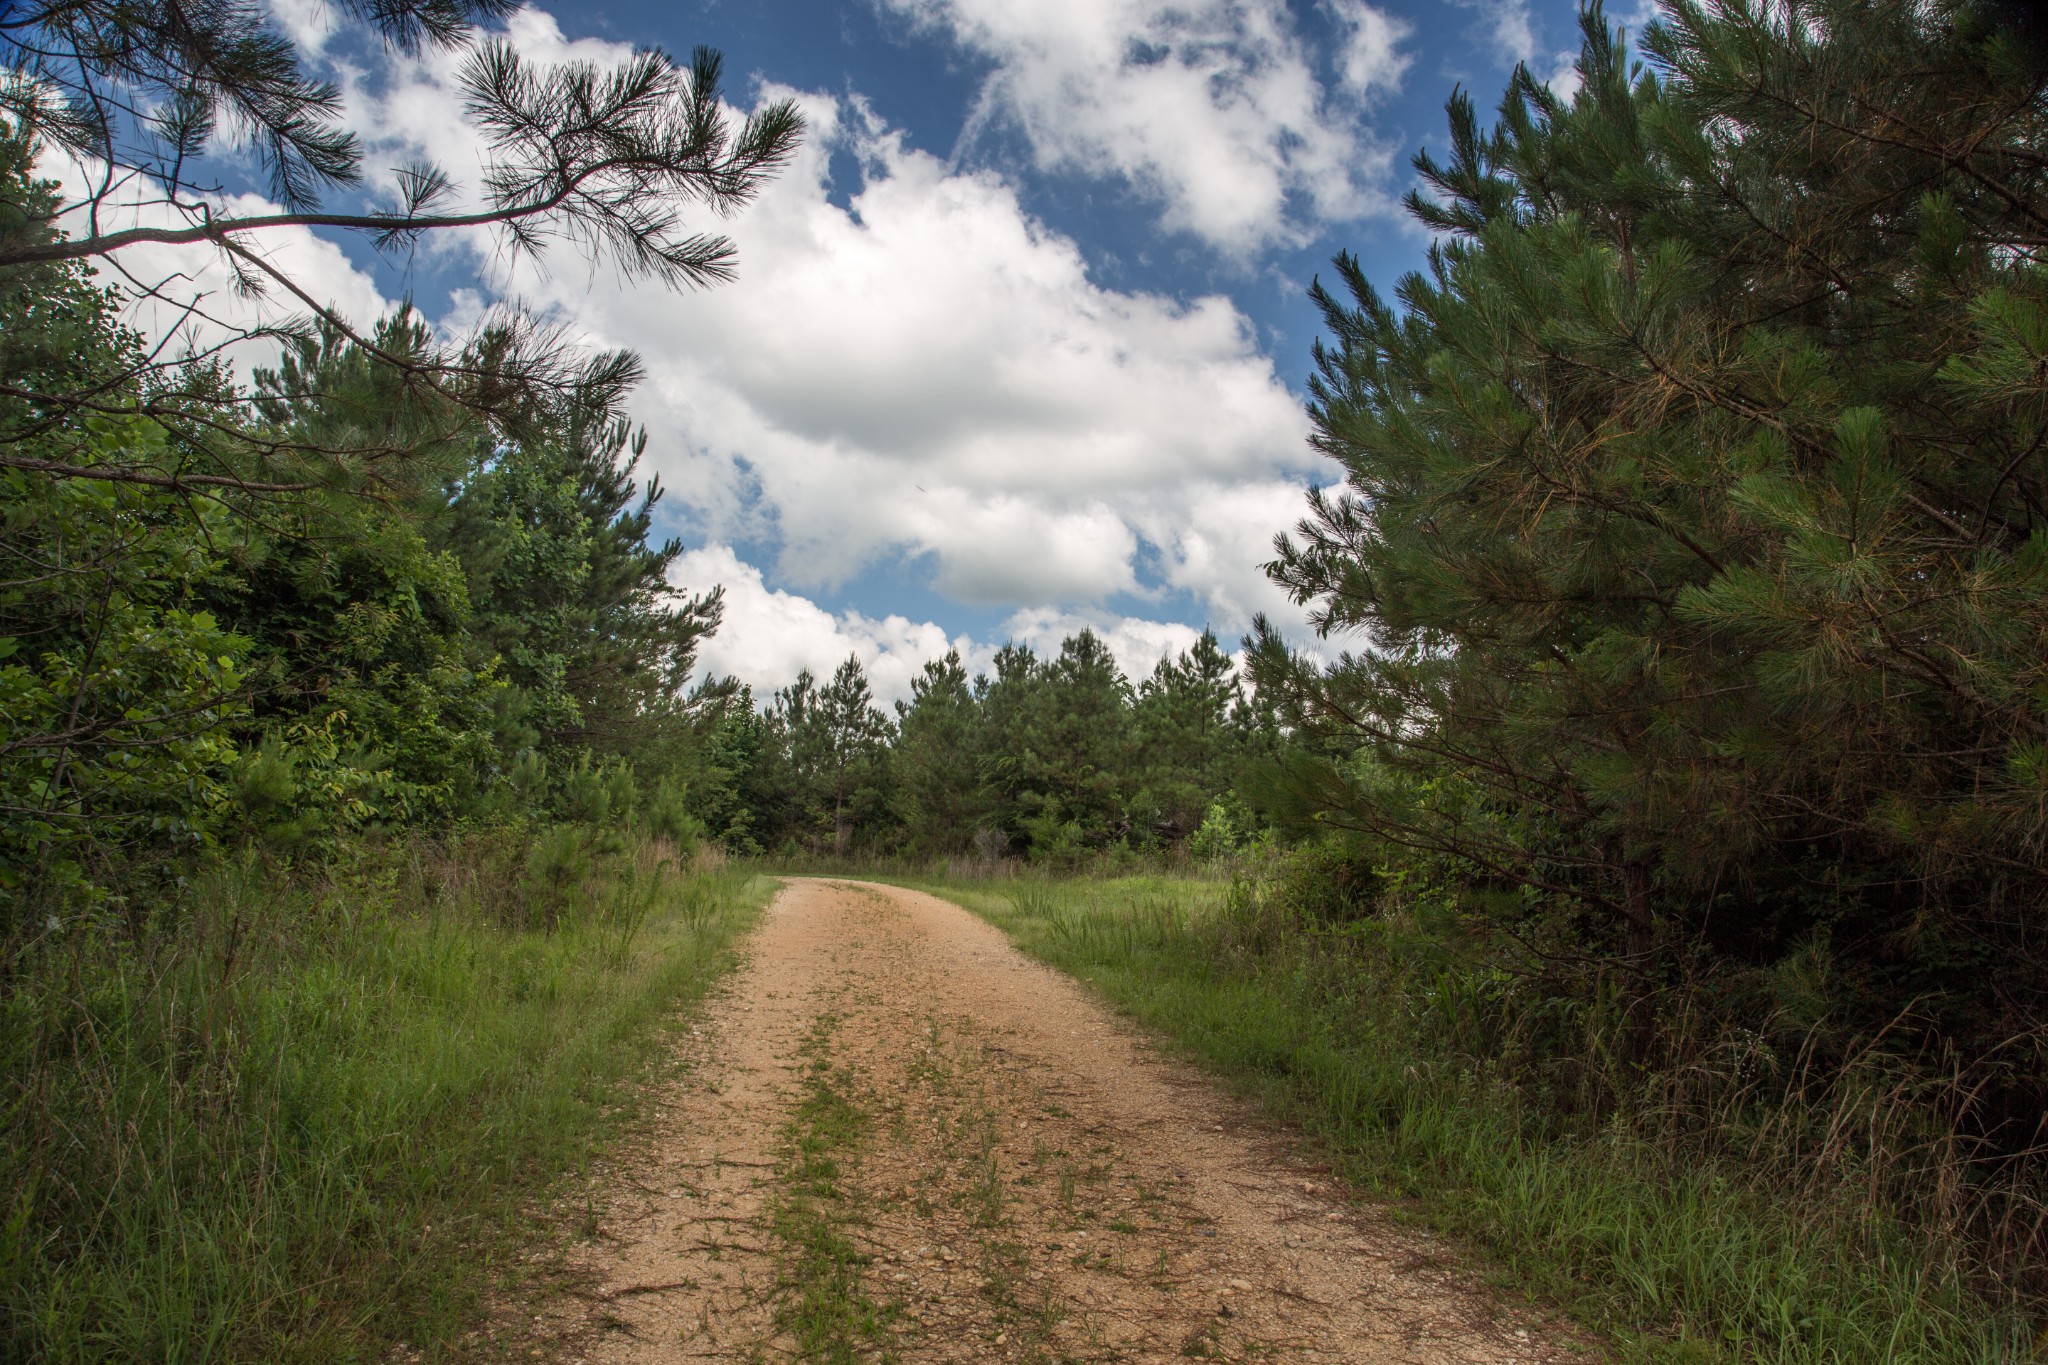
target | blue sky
[{"x": 1019, "y": 339}]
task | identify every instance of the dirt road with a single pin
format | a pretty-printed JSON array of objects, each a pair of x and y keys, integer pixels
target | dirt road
[{"x": 905, "y": 1141}]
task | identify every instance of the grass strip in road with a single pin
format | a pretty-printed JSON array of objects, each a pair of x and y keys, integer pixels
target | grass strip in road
[
  {"x": 301, "y": 1122},
  {"x": 822, "y": 1302},
  {"x": 1679, "y": 1259}
]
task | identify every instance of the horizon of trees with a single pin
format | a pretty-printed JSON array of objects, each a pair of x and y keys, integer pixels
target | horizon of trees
[{"x": 1053, "y": 758}]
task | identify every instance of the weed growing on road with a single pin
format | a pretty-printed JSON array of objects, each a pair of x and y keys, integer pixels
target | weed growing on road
[
  {"x": 823, "y": 1303},
  {"x": 965, "y": 1196}
]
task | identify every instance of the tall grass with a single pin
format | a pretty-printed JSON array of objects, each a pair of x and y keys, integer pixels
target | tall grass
[
  {"x": 1679, "y": 1248},
  {"x": 293, "y": 1117}
]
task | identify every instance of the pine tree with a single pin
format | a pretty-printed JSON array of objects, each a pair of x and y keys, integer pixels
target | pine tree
[
  {"x": 1182, "y": 724},
  {"x": 1695, "y": 510},
  {"x": 783, "y": 787},
  {"x": 143, "y": 93},
  {"x": 1074, "y": 760},
  {"x": 1007, "y": 700},
  {"x": 856, "y": 737},
  {"x": 570, "y": 591},
  {"x": 821, "y": 772},
  {"x": 936, "y": 785},
  {"x": 499, "y": 594}
]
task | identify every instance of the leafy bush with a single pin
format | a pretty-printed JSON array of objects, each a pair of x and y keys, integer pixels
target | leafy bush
[
  {"x": 559, "y": 861},
  {"x": 1219, "y": 836},
  {"x": 1326, "y": 881}
]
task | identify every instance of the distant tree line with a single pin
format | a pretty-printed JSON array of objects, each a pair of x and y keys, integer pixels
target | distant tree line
[{"x": 1053, "y": 759}]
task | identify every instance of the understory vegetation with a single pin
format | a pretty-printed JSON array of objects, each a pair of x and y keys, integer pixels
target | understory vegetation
[
  {"x": 1649, "y": 856},
  {"x": 351, "y": 842}
]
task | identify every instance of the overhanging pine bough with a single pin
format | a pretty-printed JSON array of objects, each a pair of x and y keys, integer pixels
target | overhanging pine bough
[{"x": 609, "y": 160}]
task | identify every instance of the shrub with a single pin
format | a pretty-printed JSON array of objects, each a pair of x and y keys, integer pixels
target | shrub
[{"x": 1329, "y": 881}]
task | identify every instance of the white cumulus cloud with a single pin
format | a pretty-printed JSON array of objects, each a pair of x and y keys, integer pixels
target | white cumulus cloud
[
  {"x": 1370, "y": 62},
  {"x": 770, "y": 635},
  {"x": 1212, "y": 108},
  {"x": 1512, "y": 28},
  {"x": 921, "y": 370},
  {"x": 929, "y": 372},
  {"x": 1136, "y": 644}
]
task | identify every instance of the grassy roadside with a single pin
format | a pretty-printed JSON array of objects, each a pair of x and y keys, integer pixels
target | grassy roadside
[
  {"x": 299, "y": 1122},
  {"x": 1674, "y": 1257}
]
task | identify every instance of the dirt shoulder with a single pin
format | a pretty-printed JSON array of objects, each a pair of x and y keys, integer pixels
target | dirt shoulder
[{"x": 906, "y": 1141}]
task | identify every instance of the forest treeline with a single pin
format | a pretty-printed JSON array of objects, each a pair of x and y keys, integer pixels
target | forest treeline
[
  {"x": 1674, "y": 768},
  {"x": 1056, "y": 761}
]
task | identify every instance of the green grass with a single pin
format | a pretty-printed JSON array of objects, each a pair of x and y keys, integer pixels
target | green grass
[
  {"x": 299, "y": 1120},
  {"x": 1673, "y": 1256},
  {"x": 822, "y": 1303}
]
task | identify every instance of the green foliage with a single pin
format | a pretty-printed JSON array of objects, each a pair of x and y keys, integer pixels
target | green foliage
[
  {"x": 820, "y": 774},
  {"x": 569, "y": 593},
  {"x": 1327, "y": 881},
  {"x": 1070, "y": 740},
  {"x": 586, "y": 793},
  {"x": 117, "y": 688},
  {"x": 1058, "y": 760},
  {"x": 669, "y": 816},
  {"x": 1221, "y": 834},
  {"x": 298, "y": 791},
  {"x": 1055, "y": 839},
  {"x": 937, "y": 794},
  {"x": 283, "y": 669},
  {"x": 262, "y": 645},
  {"x": 358, "y": 591},
  {"x": 613, "y": 157},
  {"x": 559, "y": 861},
  {"x": 1190, "y": 724}
]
